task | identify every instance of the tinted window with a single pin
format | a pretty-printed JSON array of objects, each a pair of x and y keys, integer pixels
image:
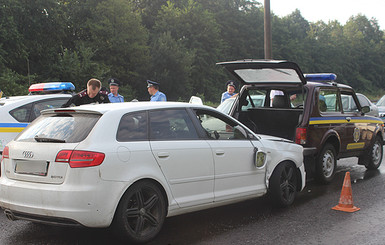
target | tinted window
[
  {"x": 29, "y": 112},
  {"x": 46, "y": 104},
  {"x": 132, "y": 127},
  {"x": 71, "y": 128},
  {"x": 171, "y": 124},
  {"x": 22, "y": 113}
]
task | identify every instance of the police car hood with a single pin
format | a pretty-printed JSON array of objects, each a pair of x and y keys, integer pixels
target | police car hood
[{"x": 265, "y": 71}]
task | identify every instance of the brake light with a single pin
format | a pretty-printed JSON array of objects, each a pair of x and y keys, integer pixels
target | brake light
[
  {"x": 300, "y": 136},
  {"x": 5, "y": 153},
  {"x": 80, "y": 159}
]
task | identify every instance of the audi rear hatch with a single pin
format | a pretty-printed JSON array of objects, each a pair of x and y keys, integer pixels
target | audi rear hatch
[{"x": 38, "y": 154}]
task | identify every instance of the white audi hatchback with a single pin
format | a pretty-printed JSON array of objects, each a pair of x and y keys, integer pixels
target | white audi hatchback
[{"x": 130, "y": 165}]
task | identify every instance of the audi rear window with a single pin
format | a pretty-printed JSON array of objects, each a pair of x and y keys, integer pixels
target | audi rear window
[{"x": 68, "y": 128}]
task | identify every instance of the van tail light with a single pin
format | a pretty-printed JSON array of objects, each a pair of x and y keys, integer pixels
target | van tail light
[
  {"x": 300, "y": 136},
  {"x": 5, "y": 153},
  {"x": 80, "y": 159}
]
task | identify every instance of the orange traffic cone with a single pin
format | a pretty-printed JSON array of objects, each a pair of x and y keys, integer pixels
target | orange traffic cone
[{"x": 346, "y": 200}]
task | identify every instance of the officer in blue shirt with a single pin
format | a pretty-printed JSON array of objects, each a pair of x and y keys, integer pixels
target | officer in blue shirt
[
  {"x": 113, "y": 96},
  {"x": 153, "y": 90},
  {"x": 230, "y": 86}
]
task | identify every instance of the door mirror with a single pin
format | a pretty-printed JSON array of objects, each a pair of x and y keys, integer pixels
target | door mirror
[
  {"x": 260, "y": 158},
  {"x": 365, "y": 109}
]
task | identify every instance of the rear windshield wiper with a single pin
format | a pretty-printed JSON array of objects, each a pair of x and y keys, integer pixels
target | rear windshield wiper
[{"x": 45, "y": 139}]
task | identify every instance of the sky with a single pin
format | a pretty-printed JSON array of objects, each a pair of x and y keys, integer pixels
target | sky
[{"x": 325, "y": 10}]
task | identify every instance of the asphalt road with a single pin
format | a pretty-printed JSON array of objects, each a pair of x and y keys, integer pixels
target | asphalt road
[{"x": 309, "y": 221}]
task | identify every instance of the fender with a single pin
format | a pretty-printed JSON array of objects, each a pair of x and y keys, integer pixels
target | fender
[{"x": 329, "y": 134}]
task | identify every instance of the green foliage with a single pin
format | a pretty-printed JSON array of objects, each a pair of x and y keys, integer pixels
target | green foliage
[
  {"x": 78, "y": 67},
  {"x": 172, "y": 66},
  {"x": 12, "y": 83}
]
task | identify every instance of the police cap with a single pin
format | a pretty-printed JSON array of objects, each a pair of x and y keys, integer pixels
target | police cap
[
  {"x": 113, "y": 82},
  {"x": 231, "y": 83},
  {"x": 151, "y": 83}
]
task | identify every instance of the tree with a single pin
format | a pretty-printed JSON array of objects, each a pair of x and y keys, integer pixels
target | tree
[
  {"x": 195, "y": 28},
  {"x": 172, "y": 66},
  {"x": 120, "y": 41}
]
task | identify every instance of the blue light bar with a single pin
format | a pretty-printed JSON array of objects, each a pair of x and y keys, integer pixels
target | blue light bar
[
  {"x": 317, "y": 77},
  {"x": 54, "y": 86}
]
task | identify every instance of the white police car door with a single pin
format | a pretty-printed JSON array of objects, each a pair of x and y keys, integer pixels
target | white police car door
[
  {"x": 235, "y": 172},
  {"x": 185, "y": 160}
]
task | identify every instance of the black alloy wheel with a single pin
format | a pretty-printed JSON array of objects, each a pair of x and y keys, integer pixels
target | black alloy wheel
[
  {"x": 283, "y": 184},
  {"x": 141, "y": 213}
]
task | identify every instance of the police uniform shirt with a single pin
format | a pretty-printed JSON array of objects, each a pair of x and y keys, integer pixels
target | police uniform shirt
[
  {"x": 226, "y": 95},
  {"x": 158, "y": 96},
  {"x": 115, "y": 99},
  {"x": 82, "y": 98}
]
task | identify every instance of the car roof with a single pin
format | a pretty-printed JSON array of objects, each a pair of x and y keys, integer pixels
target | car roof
[
  {"x": 126, "y": 106},
  {"x": 327, "y": 84},
  {"x": 30, "y": 98}
]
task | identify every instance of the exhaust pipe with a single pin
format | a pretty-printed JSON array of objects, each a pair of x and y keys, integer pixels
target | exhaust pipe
[{"x": 8, "y": 213}]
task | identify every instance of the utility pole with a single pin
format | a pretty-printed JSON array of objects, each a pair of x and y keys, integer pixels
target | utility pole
[{"x": 267, "y": 28}]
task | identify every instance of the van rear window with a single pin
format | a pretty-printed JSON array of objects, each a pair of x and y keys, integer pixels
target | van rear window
[{"x": 70, "y": 128}]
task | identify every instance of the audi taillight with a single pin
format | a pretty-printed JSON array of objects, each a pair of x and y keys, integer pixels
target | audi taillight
[
  {"x": 5, "y": 153},
  {"x": 80, "y": 159},
  {"x": 300, "y": 136}
]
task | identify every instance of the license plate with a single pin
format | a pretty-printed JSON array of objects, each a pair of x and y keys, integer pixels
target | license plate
[{"x": 39, "y": 168}]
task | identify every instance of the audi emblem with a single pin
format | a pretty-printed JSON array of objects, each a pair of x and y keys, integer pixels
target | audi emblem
[{"x": 28, "y": 154}]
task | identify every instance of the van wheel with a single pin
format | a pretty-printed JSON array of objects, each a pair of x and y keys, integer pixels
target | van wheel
[
  {"x": 326, "y": 163},
  {"x": 283, "y": 185},
  {"x": 374, "y": 156},
  {"x": 140, "y": 213}
]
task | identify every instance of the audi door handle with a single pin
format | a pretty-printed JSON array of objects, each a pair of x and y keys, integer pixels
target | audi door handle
[
  {"x": 163, "y": 154},
  {"x": 220, "y": 152}
]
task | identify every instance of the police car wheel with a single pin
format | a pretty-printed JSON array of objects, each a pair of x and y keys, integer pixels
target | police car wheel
[
  {"x": 326, "y": 164},
  {"x": 140, "y": 213},
  {"x": 374, "y": 155},
  {"x": 283, "y": 185}
]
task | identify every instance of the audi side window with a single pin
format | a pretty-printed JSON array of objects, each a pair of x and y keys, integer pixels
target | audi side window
[
  {"x": 220, "y": 128},
  {"x": 132, "y": 127},
  {"x": 171, "y": 124}
]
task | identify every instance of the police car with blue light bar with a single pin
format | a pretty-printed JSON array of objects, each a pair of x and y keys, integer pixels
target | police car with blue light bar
[
  {"x": 16, "y": 112},
  {"x": 315, "y": 111}
]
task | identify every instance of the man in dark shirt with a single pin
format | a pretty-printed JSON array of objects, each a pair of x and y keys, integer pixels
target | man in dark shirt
[{"x": 93, "y": 95}]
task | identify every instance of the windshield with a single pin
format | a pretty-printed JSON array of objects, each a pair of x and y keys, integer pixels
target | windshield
[
  {"x": 69, "y": 128},
  {"x": 381, "y": 102}
]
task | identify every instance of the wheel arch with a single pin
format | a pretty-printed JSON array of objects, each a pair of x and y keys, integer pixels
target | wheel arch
[
  {"x": 155, "y": 182},
  {"x": 297, "y": 172},
  {"x": 332, "y": 139},
  {"x": 379, "y": 134}
]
